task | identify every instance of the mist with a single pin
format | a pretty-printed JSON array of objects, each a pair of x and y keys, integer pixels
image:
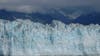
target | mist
[{"x": 40, "y": 5}]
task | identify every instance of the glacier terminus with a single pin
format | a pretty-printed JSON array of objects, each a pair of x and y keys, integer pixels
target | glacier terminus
[{"x": 27, "y": 38}]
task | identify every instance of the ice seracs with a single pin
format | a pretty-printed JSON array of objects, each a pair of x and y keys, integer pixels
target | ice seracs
[{"x": 24, "y": 37}]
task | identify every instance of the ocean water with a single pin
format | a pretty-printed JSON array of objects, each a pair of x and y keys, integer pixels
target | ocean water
[{"x": 27, "y": 38}]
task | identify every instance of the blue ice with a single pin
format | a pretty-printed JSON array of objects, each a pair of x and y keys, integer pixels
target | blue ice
[{"x": 27, "y": 38}]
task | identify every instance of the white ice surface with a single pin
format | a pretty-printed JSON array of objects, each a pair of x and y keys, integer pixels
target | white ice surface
[{"x": 27, "y": 38}]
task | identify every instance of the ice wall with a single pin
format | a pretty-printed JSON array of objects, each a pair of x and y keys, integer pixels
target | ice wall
[{"x": 27, "y": 38}]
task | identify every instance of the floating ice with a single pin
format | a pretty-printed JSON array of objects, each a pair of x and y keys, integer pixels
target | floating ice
[{"x": 27, "y": 38}]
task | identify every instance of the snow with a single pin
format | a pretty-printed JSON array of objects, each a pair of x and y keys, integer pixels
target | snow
[{"x": 27, "y": 38}]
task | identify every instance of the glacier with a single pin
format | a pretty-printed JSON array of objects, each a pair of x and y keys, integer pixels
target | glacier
[{"x": 27, "y": 38}]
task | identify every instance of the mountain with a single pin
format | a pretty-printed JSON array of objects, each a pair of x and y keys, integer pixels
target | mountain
[
  {"x": 36, "y": 17},
  {"x": 92, "y": 18},
  {"x": 82, "y": 15}
]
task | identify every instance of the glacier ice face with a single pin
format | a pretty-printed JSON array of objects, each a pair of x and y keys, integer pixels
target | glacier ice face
[{"x": 27, "y": 38}]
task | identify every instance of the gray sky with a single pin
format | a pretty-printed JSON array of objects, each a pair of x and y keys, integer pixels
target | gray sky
[{"x": 36, "y": 5}]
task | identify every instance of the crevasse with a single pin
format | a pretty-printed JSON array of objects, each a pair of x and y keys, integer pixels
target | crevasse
[{"x": 27, "y": 38}]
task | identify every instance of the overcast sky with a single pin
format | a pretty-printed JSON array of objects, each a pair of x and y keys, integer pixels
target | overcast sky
[{"x": 35, "y": 5}]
